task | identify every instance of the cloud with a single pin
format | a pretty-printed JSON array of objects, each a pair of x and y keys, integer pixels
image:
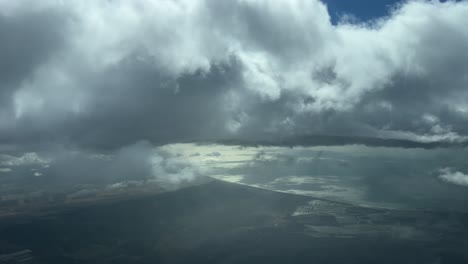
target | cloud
[
  {"x": 452, "y": 176},
  {"x": 5, "y": 170},
  {"x": 214, "y": 154},
  {"x": 107, "y": 74},
  {"x": 97, "y": 77},
  {"x": 30, "y": 158},
  {"x": 137, "y": 162}
]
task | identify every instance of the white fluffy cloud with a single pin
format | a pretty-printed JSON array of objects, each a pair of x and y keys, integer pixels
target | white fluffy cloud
[{"x": 455, "y": 177}]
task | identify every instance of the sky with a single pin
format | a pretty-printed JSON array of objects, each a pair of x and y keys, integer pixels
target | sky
[
  {"x": 94, "y": 90},
  {"x": 364, "y": 10}
]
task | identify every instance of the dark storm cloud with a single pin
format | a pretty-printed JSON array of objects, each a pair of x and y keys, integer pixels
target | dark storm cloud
[
  {"x": 28, "y": 40},
  {"x": 136, "y": 100}
]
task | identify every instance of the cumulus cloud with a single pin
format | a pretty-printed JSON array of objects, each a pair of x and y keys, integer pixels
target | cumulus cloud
[
  {"x": 99, "y": 76},
  {"x": 452, "y": 176}
]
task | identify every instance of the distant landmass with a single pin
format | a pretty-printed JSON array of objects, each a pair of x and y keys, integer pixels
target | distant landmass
[{"x": 336, "y": 140}]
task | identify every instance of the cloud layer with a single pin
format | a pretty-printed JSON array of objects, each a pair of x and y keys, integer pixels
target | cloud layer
[
  {"x": 105, "y": 74},
  {"x": 99, "y": 76}
]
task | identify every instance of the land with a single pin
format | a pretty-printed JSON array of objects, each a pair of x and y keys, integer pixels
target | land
[{"x": 219, "y": 222}]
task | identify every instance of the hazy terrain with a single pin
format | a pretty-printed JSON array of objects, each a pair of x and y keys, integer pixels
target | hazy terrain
[{"x": 218, "y": 222}]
